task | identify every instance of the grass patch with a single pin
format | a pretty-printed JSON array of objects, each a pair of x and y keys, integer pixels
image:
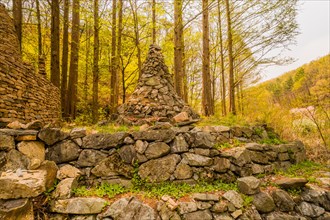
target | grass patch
[
  {"x": 155, "y": 190},
  {"x": 229, "y": 120}
]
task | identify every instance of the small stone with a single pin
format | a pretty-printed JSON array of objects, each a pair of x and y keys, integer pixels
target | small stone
[
  {"x": 179, "y": 144},
  {"x": 64, "y": 188},
  {"x": 221, "y": 165},
  {"x": 68, "y": 171},
  {"x": 310, "y": 210},
  {"x": 287, "y": 183},
  {"x": 283, "y": 200},
  {"x": 236, "y": 214},
  {"x": 156, "y": 150},
  {"x": 234, "y": 197},
  {"x": 141, "y": 146},
  {"x": 183, "y": 171},
  {"x": 7, "y": 142},
  {"x": 248, "y": 185},
  {"x": 79, "y": 206},
  {"x": 52, "y": 135},
  {"x": 205, "y": 197},
  {"x": 205, "y": 215},
  {"x": 220, "y": 207},
  {"x": 197, "y": 160},
  {"x": 32, "y": 149},
  {"x": 182, "y": 116},
  {"x": 203, "y": 205},
  {"x": 15, "y": 125},
  {"x": 78, "y": 133},
  {"x": 64, "y": 151},
  {"x": 89, "y": 157},
  {"x": 34, "y": 125}
]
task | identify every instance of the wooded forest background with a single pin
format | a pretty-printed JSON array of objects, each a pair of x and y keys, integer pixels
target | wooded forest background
[{"x": 93, "y": 50}]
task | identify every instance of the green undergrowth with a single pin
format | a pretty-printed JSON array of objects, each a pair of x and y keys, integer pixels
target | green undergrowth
[
  {"x": 109, "y": 128},
  {"x": 272, "y": 139},
  {"x": 229, "y": 120},
  {"x": 155, "y": 190}
]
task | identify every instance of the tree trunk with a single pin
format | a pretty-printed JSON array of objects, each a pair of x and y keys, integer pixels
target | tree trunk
[
  {"x": 222, "y": 79},
  {"x": 87, "y": 54},
  {"x": 113, "y": 65},
  {"x": 185, "y": 81},
  {"x": 73, "y": 77},
  {"x": 41, "y": 58},
  {"x": 65, "y": 52},
  {"x": 96, "y": 63},
  {"x": 178, "y": 48},
  {"x": 232, "y": 107},
  {"x": 17, "y": 14},
  {"x": 208, "y": 109},
  {"x": 119, "y": 46},
  {"x": 153, "y": 21},
  {"x": 55, "y": 44}
]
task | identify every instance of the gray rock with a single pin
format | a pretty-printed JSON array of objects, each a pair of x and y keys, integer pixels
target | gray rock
[
  {"x": 205, "y": 197},
  {"x": 317, "y": 196},
  {"x": 222, "y": 216},
  {"x": 203, "y": 205},
  {"x": 112, "y": 166},
  {"x": 64, "y": 151},
  {"x": 203, "y": 140},
  {"x": 51, "y": 169},
  {"x": 64, "y": 188},
  {"x": 186, "y": 207},
  {"x": 240, "y": 155},
  {"x": 236, "y": 213},
  {"x": 130, "y": 208},
  {"x": 104, "y": 141},
  {"x": 202, "y": 151},
  {"x": 156, "y": 150},
  {"x": 88, "y": 158},
  {"x": 34, "y": 125},
  {"x": 234, "y": 197},
  {"x": 179, "y": 144},
  {"x": 129, "y": 140},
  {"x": 263, "y": 202},
  {"x": 183, "y": 171},
  {"x": 310, "y": 210},
  {"x": 141, "y": 146},
  {"x": 128, "y": 154},
  {"x": 77, "y": 133},
  {"x": 283, "y": 200},
  {"x": 22, "y": 184},
  {"x": 283, "y": 156},
  {"x": 52, "y": 135},
  {"x": 155, "y": 135},
  {"x": 16, "y": 209},
  {"x": 287, "y": 183},
  {"x": 79, "y": 206},
  {"x": 205, "y": 215},
  {"x": 282, "y": 216},
  {"x": 221, "y": 165},
  {"x": 259, "y": 157},
  {"x": 257, "y": 169},
  {"x": 7, "y": 142},
  {"x": 248, "y": 185},
  {"x": 166, "y": 214},
  {"x": 197, "y": 160},
  {"x": 250, "y": 213},
  {"x": 220, "y": 207},
  {"x": 159, "y": 170}
]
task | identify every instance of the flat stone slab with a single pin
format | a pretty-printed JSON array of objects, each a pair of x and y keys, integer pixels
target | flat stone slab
[
  {"x": 16, "y": 132},
  {"x": 22, "y": 183},
  {"x": 79, "y": 206},
  {"x": 287, "y": 183}
]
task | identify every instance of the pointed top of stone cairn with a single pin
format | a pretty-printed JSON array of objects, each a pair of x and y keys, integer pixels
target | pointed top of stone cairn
[{"x": 154, "y": 98}]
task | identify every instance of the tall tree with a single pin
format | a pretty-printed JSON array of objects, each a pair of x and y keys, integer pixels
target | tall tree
[
  {"x": 232, "y": 106},
  {"x": 55, "y": 44},
  {"x": 153, "y": 21},
  {"x": 65, "y": 52},
  {"x": 208, "y": 108},
  {"x": 73, "y": 74},
  {"x": 222, "y": 66},
  {"x": 113, "y": 64},
  {"x": 119, "y": 46},
  {"x": 96, "y": 63},
  {"x": 17, "y": 14},
  {"x": 178, "y": 48},
  {"x": 41, "y": 58}
]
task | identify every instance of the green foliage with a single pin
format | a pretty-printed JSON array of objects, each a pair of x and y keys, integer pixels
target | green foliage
[
  {"x": 272, "y": 139},
  {"x": 105, "y": 189},
  {"x": 229, "y": 120},
  {"x": 247, "y": 200},
  {"x": 295, "y": 191}
]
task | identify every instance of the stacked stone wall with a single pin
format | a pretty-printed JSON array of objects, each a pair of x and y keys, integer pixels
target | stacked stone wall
[{"x": 24, "y": 94}]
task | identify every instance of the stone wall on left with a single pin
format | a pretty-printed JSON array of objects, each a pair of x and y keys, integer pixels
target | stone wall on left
[{"x": 24, "y": 94}]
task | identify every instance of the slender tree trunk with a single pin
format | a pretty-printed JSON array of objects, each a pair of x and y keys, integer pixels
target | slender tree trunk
[
  {"x": 153, "y": 21},
  {"x": 73, "y": 77},
  {"x": 17, "y": 14},
  {"x": 137, "y": 34},
  {"x": 178, "y": 47},
  {"x": 41, "y": 58},
  {"x": 222, "y": 70},
  {"x": 208, "y": 109},
  {"x": 119, "y": 46},
  {"x": 88, "y": 43},
  {"x": 55, "y": 44},
  {"x": 65, "y": 52},
  {"x": 232, "y": 107},
  {"x": 185, "y": 81},
  {"x": 113, "y": 67},
  {"x": 96, "y": 63}
]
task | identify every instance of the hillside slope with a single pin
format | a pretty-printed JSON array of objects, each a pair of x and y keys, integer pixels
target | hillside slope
[{"x": 297, "y": 104}]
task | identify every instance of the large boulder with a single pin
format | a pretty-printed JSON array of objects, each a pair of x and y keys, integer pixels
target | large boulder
[
  {"x": 64, "y": 151},
  {"x": 159, "y": 170},
  {"x": 263, "y": 202},
  {"x": 156, "y": 150},
  {"x": 287, "y": 183},
  {"x": 22, "y": 184},
  {"x": 197, "y": 160},
  {"x": 32, "y": 149},
  {"x": 78, "y": 206},
  {"x": 283, "y": 200},
  {"x": 89, "y": 157}
]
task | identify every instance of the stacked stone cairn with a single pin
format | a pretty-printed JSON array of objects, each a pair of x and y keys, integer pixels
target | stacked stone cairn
[{"x": 154, "y": 98}]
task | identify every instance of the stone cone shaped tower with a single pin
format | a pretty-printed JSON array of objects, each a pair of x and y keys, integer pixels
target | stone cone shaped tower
[{"x": 154, "y": 98}]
